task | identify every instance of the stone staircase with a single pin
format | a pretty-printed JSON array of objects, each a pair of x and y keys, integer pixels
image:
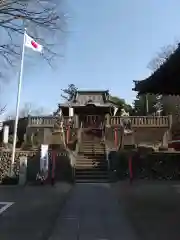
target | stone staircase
[{"x": 91, "y": 164}]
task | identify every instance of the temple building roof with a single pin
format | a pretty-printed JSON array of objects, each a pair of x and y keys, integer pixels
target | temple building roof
[
  {"x": 92, "y": 97},
  {"x": 165, "y": 80}
]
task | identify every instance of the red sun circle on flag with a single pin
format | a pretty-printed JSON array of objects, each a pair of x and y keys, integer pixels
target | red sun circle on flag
[{"x": 34, "y": 44}]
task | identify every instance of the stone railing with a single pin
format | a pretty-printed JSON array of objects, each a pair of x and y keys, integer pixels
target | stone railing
[
  {"x": 143, "y": 121},
  {"x": 41, "y": 121},
  {"x": 45, "y": 121}
]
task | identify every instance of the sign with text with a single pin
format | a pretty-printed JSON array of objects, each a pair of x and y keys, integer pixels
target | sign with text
[{"x": 44, "y": 158}]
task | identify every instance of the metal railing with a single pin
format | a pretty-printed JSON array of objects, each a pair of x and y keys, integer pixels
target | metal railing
[{"x": 142, "y": 121}]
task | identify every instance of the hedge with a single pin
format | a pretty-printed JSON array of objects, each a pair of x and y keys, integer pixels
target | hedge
[{"x": 154, "y": 165}]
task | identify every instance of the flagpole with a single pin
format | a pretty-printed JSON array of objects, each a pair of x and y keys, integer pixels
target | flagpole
[{"x": 18, "y": 103}]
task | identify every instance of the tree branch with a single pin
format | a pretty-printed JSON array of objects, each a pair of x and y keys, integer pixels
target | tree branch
[{"x": 43, "y": 20}]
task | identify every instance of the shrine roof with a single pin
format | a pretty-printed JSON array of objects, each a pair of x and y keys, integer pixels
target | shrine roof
[
  {"x": 165, "y": 80},
  {"x": 89, "y": 97}
]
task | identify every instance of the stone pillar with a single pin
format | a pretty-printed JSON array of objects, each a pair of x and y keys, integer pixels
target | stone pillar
[
  {"x": 23, "y": 170},
  {"x": 170, "y": 121},
  {"x": 5, "y": 134},
  {"x": 47, "y": 134},
  {"x": 166, "y": 138}
]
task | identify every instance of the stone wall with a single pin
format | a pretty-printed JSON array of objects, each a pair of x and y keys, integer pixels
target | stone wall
[
  {"x": 110, "y": 139},
  {"x": 147, "y": 136},
  {"x": 63, "y": 170}
]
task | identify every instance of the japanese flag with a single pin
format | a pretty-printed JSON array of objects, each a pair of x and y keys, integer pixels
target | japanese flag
[{"x": 31, "y": 43}]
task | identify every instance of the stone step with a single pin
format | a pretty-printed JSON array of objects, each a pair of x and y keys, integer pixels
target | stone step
[
  {"x": 81, "y": 164},
  {"x": 95, "y": 160},
  {"x": 79, "y": 181},
  {"x": 93, "y": 142},
  {"x": 89, "y": 167},
  {"x": 92, "y": 146},
  {"x": 93, "y": 153},
  {"x": 91, "y": 149},
  {"x": 80, "y": 159},
  {"x": 91, "y": 171},
  {"x": 91, "y": 174},
  {"x": 90, "y": 155},
  {"x": 91, "y": 159},
  {"x": 85, "y": 175},
  {"x": 91, "y": 164},
  {"x": 92, "y": 179}
]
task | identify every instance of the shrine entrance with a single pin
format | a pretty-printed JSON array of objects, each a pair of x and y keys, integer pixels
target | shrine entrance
[
  {"x": 92, "y": 121},
  {"x": 92, "y": 127}
]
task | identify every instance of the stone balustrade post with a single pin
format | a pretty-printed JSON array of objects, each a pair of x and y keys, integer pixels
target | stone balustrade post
[
  {"x": 170, "y": 121},
  {"x": 107, "y": 119}
]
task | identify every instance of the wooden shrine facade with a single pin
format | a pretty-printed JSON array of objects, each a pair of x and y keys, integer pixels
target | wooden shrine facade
[{"x": 89, "y": 108}]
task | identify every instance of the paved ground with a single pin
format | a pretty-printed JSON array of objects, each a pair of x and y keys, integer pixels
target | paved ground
[
  {"x": 92, "y": 212},
  {"x": 152, "y": 207},
  {"x": 34, "y": 212}
]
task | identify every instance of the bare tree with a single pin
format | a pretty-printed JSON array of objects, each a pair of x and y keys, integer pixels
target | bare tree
[
  {"x": 2, "y": 106},
  {"x": 169, "y": 104},
  {"x": 28, "y": 110},
  {"x": 162, "y": 56},
  {"x": 2, "y": 109},
  {"x": 43, "y": 19}
]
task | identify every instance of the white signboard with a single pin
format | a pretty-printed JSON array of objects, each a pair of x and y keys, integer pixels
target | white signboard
[
  {"x": 71, "y": 112},
  {"x": 44, "y": 160}
]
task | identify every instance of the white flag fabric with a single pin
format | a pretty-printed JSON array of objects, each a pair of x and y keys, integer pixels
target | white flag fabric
[
  {"x": 115, "y": 111},
  {"x": 31, "y": 43}
]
